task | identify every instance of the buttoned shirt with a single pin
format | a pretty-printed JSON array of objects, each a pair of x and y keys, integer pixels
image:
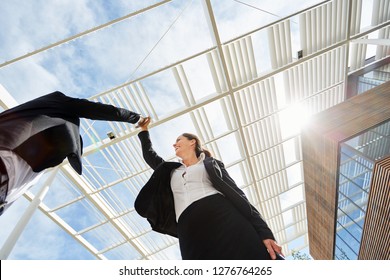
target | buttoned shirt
[{"x": 189, "y": 184}]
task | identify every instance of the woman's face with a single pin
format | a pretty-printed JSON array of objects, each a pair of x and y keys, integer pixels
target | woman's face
[{"x": 184, "y": 146}]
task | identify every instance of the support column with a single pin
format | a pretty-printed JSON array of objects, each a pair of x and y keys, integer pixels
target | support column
[{"x": 20, "y": 226}]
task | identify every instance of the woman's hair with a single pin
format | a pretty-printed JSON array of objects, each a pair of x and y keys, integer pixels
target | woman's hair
[{"x": 198, "y": 146}]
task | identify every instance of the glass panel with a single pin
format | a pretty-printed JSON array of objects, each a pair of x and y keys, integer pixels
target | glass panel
[
  {"x": 104, "y": 236},
  {"x": 291, "y": 197},
  {"x": 294, "y": 174},
  {"x": 90, "y": 215},
  {"x": 288, "y": 217},
  {"x": 123, "y": 252},
  {"x": 357, "y": 157}
]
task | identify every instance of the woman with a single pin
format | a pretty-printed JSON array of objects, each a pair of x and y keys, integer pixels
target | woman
[{"x": 197, "y": 201}]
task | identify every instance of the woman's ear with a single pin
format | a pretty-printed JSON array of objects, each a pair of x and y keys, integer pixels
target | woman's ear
[{"x": 193, "y": 142}]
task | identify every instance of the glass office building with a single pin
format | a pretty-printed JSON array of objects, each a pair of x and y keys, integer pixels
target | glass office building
[{"x": 357, "y": 159}]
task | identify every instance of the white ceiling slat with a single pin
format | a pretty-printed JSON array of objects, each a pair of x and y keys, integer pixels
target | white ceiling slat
[
  {"x": 240, "y": 61},
  {"x": 246, "y": 59},
  {"x": 267, "y": 131},
  {"x": 247, "y": 105},
  {"x": 319, "y": 29},
  {"x": 329, "y": 24},
  {"x": 268, "y": 94},
  {"x": 130, "y": 92},
  {"x": 274, "y": 102},
  {"x": 288, "y": 47},
  {"x": 236, "y": 68},
  {"x": 333, "y": 58},
  {"x": 220, "y": 72},
  {"x": 327, "y": 70},
  {"x": 232, "y": 120},
  {"x": 272, "y": 47},
  {"x": 251, "y": 99},
  {"x": 303, "y": 33},
  {"x": 324, "y": 24},
  {"x": 301, "y": 82},
  {"x": 358, "y": 55},
  {"x": 274, "y": 124},
  {"x": 356, "y": 17},
  {"x": 239, "y": 103},
  {"x": 139, "y": 98},
  {"x": 279, "y": 44},
  {"x": 117, "y": 127},
  {"x": 312, "y": 81},
  {"x": 214, "y": 74},
  {"x": 334, "y": 19},
  {"x": 381, "y": 50},
  {"x": 339, "y": 19},
  {"x": 289, "y": 82},
  {"x": 375, "y": 18},
  {"x": 384, "y": 11},
  {"x": 229, "y": 63},
  {"x": 309, "y": 33},
  {"x": 206, "y": 124},
  {"x": 147, "y": 107},
  {"x": 297, "y": 85},
  {"x": 260, "y": 132},
  {"x": 251, "y": 57},
  {"x": 261, "y": 96},
  {"x": 242, "y": 66},
  {"x": 305, "y": 72}
]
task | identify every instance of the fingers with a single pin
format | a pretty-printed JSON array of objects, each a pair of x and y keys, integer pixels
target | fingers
[
  {"x": 143, "y": 123},
  {"x": 272, "y": 248}
]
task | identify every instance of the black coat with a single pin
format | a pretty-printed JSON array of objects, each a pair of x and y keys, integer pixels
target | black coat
[
  {"x": 155, "y": 200},
  {"x": 45, "y": 131}
]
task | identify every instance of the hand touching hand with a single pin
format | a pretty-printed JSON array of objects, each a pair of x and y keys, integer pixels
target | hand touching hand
[{"x": 143, "y": 123}]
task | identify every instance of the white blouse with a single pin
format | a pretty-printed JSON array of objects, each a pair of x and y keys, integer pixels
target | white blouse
[
  {"x": 20, "y": 175},
  {"x": 190, "y": 184}
]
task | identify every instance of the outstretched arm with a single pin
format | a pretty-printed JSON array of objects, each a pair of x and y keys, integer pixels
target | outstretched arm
[
  {"x": 98, "y": 111},
  {"x": 149, "y": 154}
]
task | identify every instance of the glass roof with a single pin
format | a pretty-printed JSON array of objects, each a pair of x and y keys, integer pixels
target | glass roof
[{"x": 228, "y": 71}]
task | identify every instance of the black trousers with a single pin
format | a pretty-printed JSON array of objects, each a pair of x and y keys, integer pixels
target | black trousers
[{"x": 213, "y": 229}]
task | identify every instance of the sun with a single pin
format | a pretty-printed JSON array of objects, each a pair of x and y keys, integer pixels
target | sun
[{"x": 293, "y": 119}]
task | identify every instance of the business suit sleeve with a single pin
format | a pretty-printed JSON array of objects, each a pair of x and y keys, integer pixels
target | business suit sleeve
[
  {"x": 255, "y": 217},
  {"x": 84, "y": 108},
  {"x": 149, "y": 154}
]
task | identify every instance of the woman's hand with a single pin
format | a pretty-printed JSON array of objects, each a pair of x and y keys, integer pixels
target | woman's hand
[
  {"x": 143, "y": 123},
  {"x": 272, "y": 247}
]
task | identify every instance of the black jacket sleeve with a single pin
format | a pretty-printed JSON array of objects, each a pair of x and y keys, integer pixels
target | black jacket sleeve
[
  {"x": 84, "y": 108},
  {"x": 59, "y": 105},
  {"x": 149, "y": 154},
  {"x": 238, "y": 197}
]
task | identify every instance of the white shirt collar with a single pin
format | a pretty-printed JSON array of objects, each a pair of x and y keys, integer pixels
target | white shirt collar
[{"x": 200, "y": 159}]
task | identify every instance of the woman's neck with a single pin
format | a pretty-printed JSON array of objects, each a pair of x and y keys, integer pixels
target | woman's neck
[{"x": 190, "y": 160}]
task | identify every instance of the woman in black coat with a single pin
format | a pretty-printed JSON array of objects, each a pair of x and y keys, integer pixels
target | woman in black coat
[{"x": 197, "y": 201}]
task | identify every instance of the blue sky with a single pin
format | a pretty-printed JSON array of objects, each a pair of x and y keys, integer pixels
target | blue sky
[{"x": 102, "y": 60}]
